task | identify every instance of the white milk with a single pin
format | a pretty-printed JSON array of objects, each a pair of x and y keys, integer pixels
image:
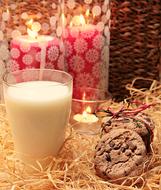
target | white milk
[{"x": 38, "y": 112}]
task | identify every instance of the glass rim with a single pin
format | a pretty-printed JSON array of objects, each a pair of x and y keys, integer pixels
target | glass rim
[
  {"x": 89, "y": 101},
  {"x": 107, "y": 94},
  {"x": 7, "y": 73}
]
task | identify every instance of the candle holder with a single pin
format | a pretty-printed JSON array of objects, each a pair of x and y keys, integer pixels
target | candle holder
[
  {"x": 84, "y": 107},
  {"x": 31, "y": 35},
  {"x": 87, "y": 38}
]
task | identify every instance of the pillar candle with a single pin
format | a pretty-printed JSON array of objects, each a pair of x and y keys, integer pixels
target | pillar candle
[
  {"x": 29, "y": 53},
  {"x": 83, "y": 46},
  {"x": 36, "y": 51}
]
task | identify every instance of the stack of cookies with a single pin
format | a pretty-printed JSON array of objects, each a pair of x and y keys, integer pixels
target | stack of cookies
[{"x": 124, "y": 147}]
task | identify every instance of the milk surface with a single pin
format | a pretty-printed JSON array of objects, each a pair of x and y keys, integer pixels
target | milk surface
[{"x": 38, "y": 113}]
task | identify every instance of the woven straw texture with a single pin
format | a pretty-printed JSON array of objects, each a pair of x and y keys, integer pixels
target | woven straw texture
[{"x": 135, "y": 43}]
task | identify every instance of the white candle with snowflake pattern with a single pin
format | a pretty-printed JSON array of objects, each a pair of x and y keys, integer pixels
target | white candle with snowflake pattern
[
  {"x": 83, "y": 44},
  {"x": 36, "y": 51}
]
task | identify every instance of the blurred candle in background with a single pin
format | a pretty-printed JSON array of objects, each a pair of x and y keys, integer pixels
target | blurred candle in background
[{"x": 36, "y": 51}]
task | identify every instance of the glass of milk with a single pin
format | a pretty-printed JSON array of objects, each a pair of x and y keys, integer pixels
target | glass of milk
[{"x": 38, "y": 103}]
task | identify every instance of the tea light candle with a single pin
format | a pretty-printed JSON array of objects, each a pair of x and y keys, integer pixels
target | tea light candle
[
  {"x": 86, "y": 117},
  {"x": 83, "y": 43},
  {"x": 86, "y": 123},
  {"x": 33, "y": 50}
]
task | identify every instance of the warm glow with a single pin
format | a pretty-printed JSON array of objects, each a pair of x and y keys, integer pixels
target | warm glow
[
  {"x": 86, "y": 117},
  {"x": 29, "y": 23},
  {"x": 78, "y": 20},
  {"x": 63, "y": 19},
  {"x": 87, "y": 13},
  {"x": 71, "y": 24},
  {"x": 8, "y": 12},
  {"x": 82, "y": 20},
  {"x": 32, "y": 34},
  {"x": 86, "y": 112}
]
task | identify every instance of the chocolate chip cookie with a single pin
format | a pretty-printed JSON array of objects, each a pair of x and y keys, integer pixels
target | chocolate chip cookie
[
  {"x": 120, "y": 153},
  {"x": 140, "y": 123}
]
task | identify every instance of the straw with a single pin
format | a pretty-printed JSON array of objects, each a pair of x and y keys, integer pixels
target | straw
[{"x": 73, "y": 168}]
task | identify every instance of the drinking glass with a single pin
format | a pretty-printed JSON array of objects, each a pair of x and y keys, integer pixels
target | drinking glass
[{"x": 38, "y": 103}]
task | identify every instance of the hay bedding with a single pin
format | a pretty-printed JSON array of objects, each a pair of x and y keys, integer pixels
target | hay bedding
[{"x": 73, "y": 169}]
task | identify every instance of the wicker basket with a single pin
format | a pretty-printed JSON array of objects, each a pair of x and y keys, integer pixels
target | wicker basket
[{"x": 135, "y": 43}]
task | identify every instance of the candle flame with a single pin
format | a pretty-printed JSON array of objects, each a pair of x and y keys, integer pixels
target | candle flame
[
  {"x": 71, "y": 24},
  {"x": 29, "y": 23},
  {"x": 86, "y": 112},
  {"x": 32, "y": 34},
  {"x": 8, "y": 12},
  {"x": 63, "y": 19},
  {"x": 78, "y": 20},
  {"x": 87, "y": 13},
  {"x": 82, "y": 20}
]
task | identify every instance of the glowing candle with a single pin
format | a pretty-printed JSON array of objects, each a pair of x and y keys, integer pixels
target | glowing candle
[
  {"x": 86, "y": 117},
  {"x": 83, "y": 43},
  {"x": 34, "y": 50}
]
